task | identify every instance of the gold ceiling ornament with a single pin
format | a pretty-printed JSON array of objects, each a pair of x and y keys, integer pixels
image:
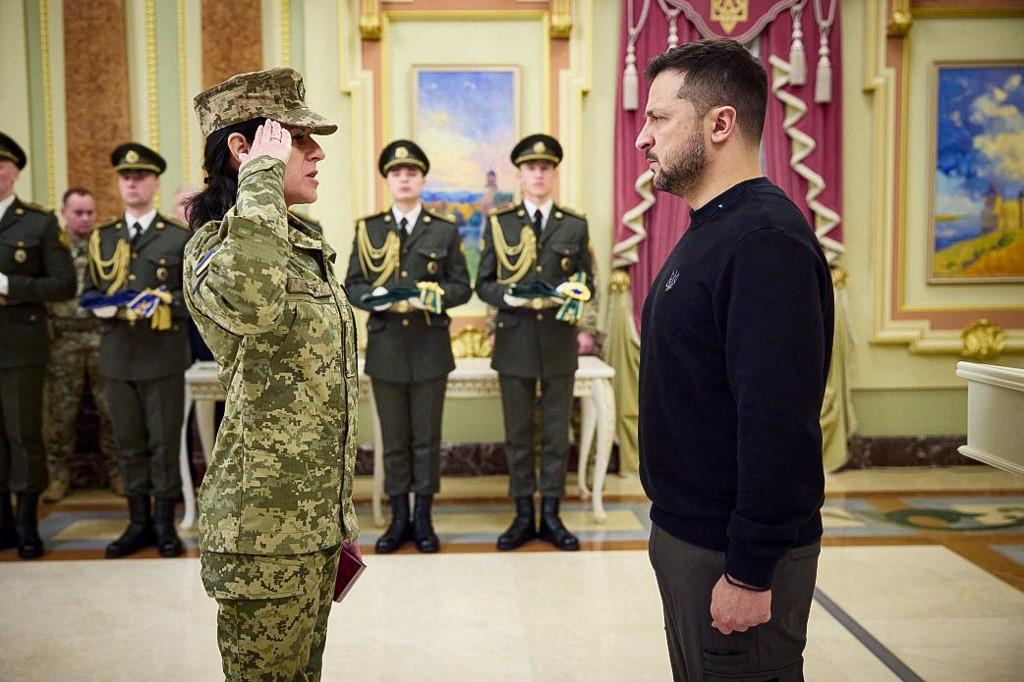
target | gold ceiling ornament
[
  {"x": 983, "y": 340},
  {"x": 620, "y": 281},
  {"x": 729, "y": 13},
  {"x": 561, "y": 18},
  {"x": 900, "y": 19},
  {"x": 470, "y": 342},
  {"x": 369, "y": 19}
]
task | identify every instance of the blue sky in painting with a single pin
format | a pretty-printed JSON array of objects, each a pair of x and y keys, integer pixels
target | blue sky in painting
[
  {"x": 466, "y": 123},
  {"x": 980, "y": 136}
]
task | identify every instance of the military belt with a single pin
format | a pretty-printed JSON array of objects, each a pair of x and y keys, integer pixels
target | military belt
[{"x": 541, "y": 304}]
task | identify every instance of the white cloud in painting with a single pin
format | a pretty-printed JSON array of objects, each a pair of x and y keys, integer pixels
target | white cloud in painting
[
  {"x": 950, "y": 198},
  {"x": 1003, "y": 122},
  {"x": 1005, "y": 151}
]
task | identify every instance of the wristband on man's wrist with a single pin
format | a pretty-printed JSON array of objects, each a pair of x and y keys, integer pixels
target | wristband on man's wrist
[{"x": 735, "y": 583}]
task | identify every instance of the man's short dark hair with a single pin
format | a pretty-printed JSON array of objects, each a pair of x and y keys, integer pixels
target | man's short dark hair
[
  {"x": 73, "y": 191},
  {"x": 719, "y": 72}
]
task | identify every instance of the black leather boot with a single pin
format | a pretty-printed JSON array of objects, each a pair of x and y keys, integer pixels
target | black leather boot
[
  {"x": 523, "y": 528},
  {"x": 8, "y": 535},
  {"x": 422, "y": 526},
  {"x": 30, "y": 545},
  {"x": 139, "y": 533},
  {"x": 167, "y": 541},
  {"x": 551, "y": 528},
  {"x": 399, "y": 530}
]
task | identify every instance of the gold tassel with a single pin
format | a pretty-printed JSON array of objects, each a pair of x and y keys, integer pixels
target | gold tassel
[
  {"x": 823, "y": 79},
  {"x": 161, "y": 320}
]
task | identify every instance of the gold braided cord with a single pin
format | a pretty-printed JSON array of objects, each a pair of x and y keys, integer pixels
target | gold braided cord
[
  {"x": 523, "y": 253},
  {"x": 383, "y": 261},
  {"x": 113, "y": 269}
]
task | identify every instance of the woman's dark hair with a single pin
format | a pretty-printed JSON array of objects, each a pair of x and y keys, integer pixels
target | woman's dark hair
[{"x": 221, "y": 179}]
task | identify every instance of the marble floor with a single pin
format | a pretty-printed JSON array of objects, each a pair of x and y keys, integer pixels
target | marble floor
[{"x": 921, "y": 577}]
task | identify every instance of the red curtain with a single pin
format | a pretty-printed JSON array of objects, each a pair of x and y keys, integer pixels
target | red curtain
[
  {"x": 822, "y": 122},
  {"x": 667, "y": 219}
]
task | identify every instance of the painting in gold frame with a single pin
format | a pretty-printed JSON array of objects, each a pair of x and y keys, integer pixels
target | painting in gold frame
[
  {"x": 976, "y": 226},
  {"x": 467, "y": 119}
]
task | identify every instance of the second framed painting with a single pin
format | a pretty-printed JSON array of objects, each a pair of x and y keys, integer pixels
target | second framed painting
[
  {"x": 977, "y": 212},
  {"x": 467, "y": 119}
]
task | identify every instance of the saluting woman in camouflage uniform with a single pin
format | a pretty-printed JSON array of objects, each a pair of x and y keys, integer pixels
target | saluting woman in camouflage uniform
[{"x": 276, "y": 503}]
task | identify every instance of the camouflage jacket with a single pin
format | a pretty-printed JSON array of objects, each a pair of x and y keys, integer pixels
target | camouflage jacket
[{"x": 261, "y": 290}]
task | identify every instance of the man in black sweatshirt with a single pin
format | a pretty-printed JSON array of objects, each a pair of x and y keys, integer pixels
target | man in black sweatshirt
[{"x": 735, "y": 348}]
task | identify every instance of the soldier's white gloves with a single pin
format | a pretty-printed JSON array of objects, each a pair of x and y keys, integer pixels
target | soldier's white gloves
[
  {"x": 416, "y": 303},
  {"x": 514, "y": 301},
  {"x": 4, "y": 284},
  {"x": 105, "y": 312},
  {"x": 380, "y": 291}
]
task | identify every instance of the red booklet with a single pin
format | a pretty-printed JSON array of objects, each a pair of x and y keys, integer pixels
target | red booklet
[{"x": 350, "y": 567}]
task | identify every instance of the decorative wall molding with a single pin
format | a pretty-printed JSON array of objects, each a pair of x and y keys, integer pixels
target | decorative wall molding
[{"x": 932, "y": 327}]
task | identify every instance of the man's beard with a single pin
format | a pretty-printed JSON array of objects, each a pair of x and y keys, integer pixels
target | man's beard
[{"x": 682, "y": 174}]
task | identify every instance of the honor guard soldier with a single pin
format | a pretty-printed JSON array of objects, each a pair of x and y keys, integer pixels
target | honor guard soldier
[
  {"x": 75, "y": 360},
  {"x": 536, "y": 269},
  {"x": 408, "y": 268},
  {"x": 144, "y": 353},
  {"x": 35, "y": 268}
]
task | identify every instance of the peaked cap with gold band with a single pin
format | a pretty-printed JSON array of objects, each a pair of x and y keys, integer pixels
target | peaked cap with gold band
[
  {"x": 277, "y": 94},
  {"x": 10, "y": 150},
  {"x": 538, "y": 147},
  {"x": 132, "y": 156},
  {"x": 402, "y": 153}
]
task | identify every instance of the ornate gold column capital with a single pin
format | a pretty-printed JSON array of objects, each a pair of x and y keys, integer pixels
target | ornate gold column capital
[
  {"x": 561, "y": 18},
  {"x": 369, "y": 19},
  {"x": 899, "y": 20}
]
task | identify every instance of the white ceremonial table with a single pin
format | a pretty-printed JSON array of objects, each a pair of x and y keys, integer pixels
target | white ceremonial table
[{"x": 472, "y": 378}]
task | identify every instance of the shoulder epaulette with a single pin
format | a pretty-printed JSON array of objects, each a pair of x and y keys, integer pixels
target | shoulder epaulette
[
  {"x": 573, "y": 212},
  {"x": 371, "y": 216},
  {"x": 177, "y": 223},
  {"x": 499, "y": 211},
  {"x": 37, "y": 208},
  {"x": 109, "y": 222},
  {"x": 443, "y": 217}
]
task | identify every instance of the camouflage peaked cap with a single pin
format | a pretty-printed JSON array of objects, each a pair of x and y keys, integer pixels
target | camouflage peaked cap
[{"x": 277, "y": 94}]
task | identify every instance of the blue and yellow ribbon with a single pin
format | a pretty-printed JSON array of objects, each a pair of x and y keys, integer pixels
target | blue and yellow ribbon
[
  {"x": 575, "y": 292},
  {"x": 431, "y": 295}
]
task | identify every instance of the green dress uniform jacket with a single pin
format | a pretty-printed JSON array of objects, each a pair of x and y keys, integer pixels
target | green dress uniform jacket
[
  {"x": 261, "y": 290},
  {"x": 414, "y": 346},
  {"x": 131, "y": 350},
  {"x": 34, "y": 257},
  {"x": 531, "y": 342}
]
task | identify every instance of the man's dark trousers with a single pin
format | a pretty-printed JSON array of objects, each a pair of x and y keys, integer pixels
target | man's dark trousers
[{"x": 773, "y": 651}]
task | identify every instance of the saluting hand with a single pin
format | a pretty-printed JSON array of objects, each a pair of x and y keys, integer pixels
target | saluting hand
[{"x": 271, "y": 139}]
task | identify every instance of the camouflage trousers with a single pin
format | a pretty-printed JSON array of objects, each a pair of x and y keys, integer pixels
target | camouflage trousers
[
  {"x": 74, "y": 356},
  {"x": 272, "y": 616}
]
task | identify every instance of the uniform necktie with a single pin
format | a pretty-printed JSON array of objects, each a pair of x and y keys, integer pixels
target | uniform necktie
[
  {"x": 136, "y": 235},
  {"x": 402, "y": 230},
  {"x": 538, "y": 221}
]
